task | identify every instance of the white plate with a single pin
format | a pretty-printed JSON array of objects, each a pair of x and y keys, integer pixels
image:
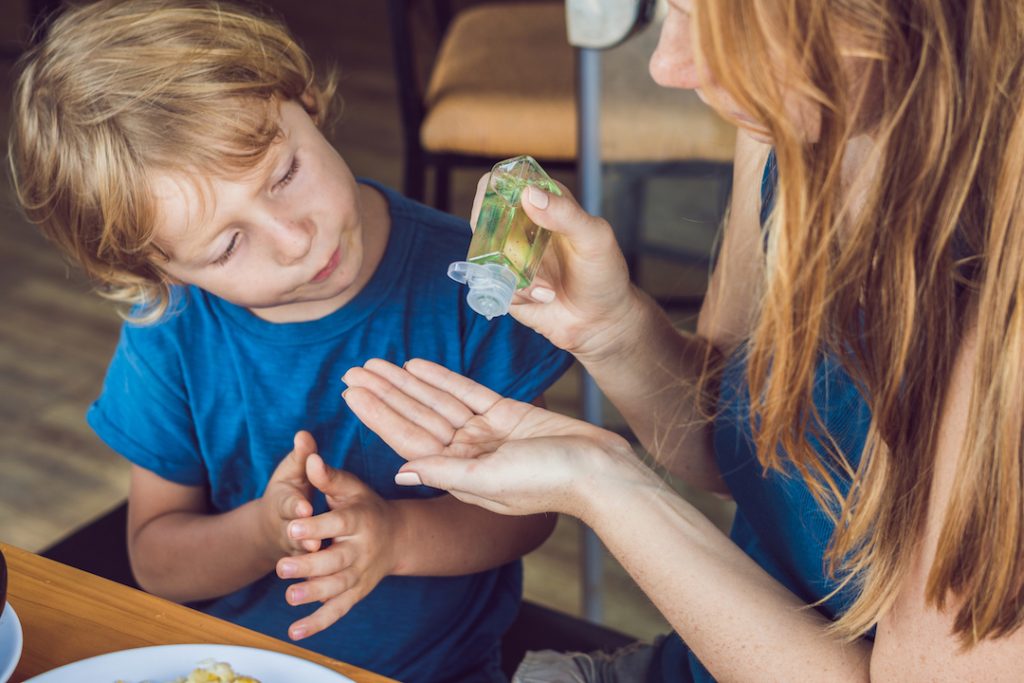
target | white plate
[
  {"x": 165, "y": 663},
  {"x": 10, "y": 642}
]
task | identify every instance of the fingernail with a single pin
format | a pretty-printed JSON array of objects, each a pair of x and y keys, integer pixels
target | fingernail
[
  {"x": 343, "y": 394},
  {"x": 298, "y": 632},
  {"x": 538, "y": 198},
  {"x": 288, "y": 570},
  {"x": 296, "y": 530},
  {"x": 297, "y": 594},
  {"x": 408, "y": 479},
  {"x": 542, "y": 294}
]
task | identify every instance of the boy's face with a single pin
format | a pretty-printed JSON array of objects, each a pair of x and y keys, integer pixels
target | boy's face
[{"x": 285, "y": 241}]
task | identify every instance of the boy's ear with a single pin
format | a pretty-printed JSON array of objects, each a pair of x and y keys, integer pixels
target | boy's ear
[{"x": 309, "y": 103}]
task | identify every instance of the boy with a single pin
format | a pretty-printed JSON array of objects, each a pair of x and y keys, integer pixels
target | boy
[{"x": 173, "y": 150}]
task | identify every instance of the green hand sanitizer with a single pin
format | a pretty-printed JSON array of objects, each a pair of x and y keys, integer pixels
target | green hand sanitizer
[{"x": 507, "y": 246}]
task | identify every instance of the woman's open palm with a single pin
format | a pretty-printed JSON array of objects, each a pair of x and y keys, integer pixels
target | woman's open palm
[{"x": 505, "y": 455}]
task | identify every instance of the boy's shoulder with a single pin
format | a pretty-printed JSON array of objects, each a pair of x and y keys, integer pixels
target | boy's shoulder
[{"x": 185, "y": 323}]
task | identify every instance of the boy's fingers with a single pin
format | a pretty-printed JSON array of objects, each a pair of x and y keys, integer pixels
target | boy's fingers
[
  {"x": 294, "y": 464},
  {"x": 304, "y": 442},
  {"x": 292, "y": 506},
  {"x": 332, "y": 481},
  {"x": 329, "y": 612},
  {"x": 476, "y": 397},
  {"x": 446, "y": 405},
  {"x": 324, "y": 562},
  {"x": 322, "y": 588},
  {"x": 408, "y": 439}
]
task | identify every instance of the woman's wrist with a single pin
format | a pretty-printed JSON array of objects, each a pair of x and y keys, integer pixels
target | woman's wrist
[
  {"x": 619, "y": 334},
  {"x": 615, "y": 473}
]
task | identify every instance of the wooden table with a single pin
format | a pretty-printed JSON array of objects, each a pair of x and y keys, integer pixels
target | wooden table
[{"x": 68, "y": 614}]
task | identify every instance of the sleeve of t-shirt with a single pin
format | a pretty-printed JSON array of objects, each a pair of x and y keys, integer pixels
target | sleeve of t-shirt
[
  {"x": 510, "y": 358},
  {"x": 143, "y": 410}
]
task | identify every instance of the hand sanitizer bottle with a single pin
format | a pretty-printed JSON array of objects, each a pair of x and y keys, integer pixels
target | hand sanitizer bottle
[{"x": 507, "y": 246}]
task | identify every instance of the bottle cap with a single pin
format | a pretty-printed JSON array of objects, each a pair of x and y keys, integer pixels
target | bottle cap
[{"x": 490, "y": 286}]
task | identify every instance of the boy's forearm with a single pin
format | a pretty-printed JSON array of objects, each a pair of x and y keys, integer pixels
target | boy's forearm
[
  {"x": 186, "y": 556},
  {"x": 651, "y": 375},
  {"x": 445, "y": 537}
]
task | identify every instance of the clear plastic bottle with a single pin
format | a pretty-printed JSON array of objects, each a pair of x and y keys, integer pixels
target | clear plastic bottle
[{"x": 507, "y": 246}]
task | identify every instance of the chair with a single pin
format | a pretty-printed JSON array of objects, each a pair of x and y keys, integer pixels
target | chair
[
  {"x": 542, "y": 628},
  {"x": 490, "y": 94},
  {"x": 99, "y": 547}
]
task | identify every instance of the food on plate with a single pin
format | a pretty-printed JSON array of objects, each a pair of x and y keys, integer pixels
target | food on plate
[
  {"x": 212, "y": 672},
  {"x": 216, "y": 672}
]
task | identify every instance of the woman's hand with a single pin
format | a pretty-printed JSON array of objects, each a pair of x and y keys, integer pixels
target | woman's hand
[
  {"x": 360, "y": 526},
  {"x": 503, "y": 455},
  {"x": 287, "y": 497},
  {"x": 581, "y": 299}
]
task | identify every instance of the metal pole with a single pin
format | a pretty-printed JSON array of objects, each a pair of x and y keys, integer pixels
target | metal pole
[{"x": 588, "y": 99}]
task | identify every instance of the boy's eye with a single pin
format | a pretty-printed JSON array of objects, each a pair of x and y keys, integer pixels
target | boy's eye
[
  {"x": 223, "y": 258},
  {"x": 289, "y": 176}
]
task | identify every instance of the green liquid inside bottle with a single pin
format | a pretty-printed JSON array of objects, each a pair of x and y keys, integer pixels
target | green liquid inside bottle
[{"x": 507, "y": 246}]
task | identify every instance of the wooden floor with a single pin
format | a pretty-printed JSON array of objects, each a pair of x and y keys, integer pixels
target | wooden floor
[{"x": 56, "y": 336}]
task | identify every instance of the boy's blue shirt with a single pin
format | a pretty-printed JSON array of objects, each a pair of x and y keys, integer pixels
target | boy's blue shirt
[{"x": 212, "y": 395}]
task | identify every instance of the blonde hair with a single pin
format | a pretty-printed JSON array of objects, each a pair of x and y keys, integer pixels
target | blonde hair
[
  {"x": 120, "y": 89},
  {"x": 934, "y": 244}
]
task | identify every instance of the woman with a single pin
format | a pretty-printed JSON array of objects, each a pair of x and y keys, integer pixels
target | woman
[{"x": 855, "y": 379}]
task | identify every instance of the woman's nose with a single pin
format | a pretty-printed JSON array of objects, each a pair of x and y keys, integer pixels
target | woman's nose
[{"x": 673, "y": 65}]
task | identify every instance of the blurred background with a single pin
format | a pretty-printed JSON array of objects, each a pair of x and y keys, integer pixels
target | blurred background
[{"x": 56, "y": 336}]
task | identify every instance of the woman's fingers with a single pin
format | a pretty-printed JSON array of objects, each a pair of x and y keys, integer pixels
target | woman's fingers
[
  {"x": 398, "y": 399},
  {"x": 589, "y": 236},
  {"x": 449, "y": 474},
  {"x": 446, "y": 405},
  {"x": 476, "y": 397},
  {"x": 407, "y": 438}
]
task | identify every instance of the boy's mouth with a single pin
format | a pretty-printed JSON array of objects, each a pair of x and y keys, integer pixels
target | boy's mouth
[{"x": 329, "y": 268}]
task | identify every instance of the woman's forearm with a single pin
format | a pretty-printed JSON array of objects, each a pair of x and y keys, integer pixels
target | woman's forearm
[
  {"x": 741, "y": 623},
  {"x": 650, "y": 372}
]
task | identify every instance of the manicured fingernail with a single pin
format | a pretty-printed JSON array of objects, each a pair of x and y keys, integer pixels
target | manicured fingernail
[
  {"x": 298, "y": 632},
  {"x": 408, "y": 479},
  {"x": 288, "y": 569},
  {"x": 542, "y": 294},
  {"x": 296, "y": 530},
  {"x": 538, "y": 198}
]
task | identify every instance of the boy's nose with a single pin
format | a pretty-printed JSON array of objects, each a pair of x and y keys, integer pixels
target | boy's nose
[{"x": 292, "y": 240}]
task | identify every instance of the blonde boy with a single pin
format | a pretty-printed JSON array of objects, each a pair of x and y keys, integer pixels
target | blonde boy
[{"x": 174, "y": 151}]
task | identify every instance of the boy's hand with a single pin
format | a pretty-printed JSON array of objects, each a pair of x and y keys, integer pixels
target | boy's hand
[
  {"x": 287, "y": 498},
  {"x": 362, "y": 528}
]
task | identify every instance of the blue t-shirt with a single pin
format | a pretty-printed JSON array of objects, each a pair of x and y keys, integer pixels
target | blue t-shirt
[
  {"x": 212, "y": 395},
  {"x": 778, "y": 522}
]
